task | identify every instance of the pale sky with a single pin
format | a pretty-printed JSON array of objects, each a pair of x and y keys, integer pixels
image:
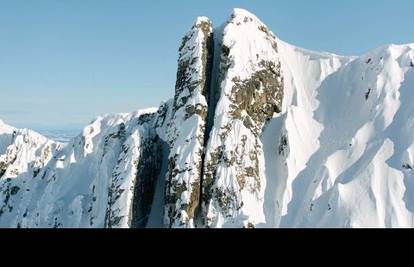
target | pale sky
[{"x": 62, "y": 63}]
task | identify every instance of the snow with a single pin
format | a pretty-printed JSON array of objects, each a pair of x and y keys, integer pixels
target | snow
[
  {"x": 339, "y": 140},
  {"x": 339, "y": 154},
  {"x": 72, "y": 189}
]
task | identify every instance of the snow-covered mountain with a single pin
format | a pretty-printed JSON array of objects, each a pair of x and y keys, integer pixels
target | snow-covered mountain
[{"x": 260, "y": 133}]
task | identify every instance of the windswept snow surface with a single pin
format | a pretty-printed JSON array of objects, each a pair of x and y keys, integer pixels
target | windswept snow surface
[
  {"x": 349, "y": 125},
  {"x": 280, "y": 137}
]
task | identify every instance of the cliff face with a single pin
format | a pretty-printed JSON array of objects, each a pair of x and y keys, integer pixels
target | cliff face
[
  {"x": 187, "y": 126},
  {"x": 259, "y": 133},
  {"x": 250, "y": 86},
  {"x": 220, "y": 166}
]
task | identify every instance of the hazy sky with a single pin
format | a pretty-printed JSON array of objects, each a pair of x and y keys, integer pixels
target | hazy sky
[{"x": 64, "y": 62}]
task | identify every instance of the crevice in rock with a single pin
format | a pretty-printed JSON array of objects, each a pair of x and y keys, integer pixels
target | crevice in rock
[
  {"x": 156, "y": 216},
  {"x": 149, "y": 169},
  {"x": 213, "y": 93},
  {"x": 212, "y": 96}
]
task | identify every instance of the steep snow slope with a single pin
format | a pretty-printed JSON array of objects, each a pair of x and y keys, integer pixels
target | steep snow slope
[
  {"x": 350, "y": 164},
  {"x": 295, "y": 129},
  {"x": 260, "y": 133}
]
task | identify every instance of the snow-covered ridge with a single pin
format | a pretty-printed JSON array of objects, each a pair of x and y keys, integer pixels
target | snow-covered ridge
[{"x": 259, "y": 133}]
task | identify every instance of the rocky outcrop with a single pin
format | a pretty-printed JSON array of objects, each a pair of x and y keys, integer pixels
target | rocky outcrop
[
  {"x": 186, "y": 131},
  {"x": 133, "y": 179},
  {"x": 251, "y": 86},
  {"x": 211, "y": 165}
]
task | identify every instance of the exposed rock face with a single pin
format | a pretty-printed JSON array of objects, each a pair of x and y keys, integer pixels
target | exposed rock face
[
  {"x": 186, "y": 131},
  {"x": 134, "y": 178},
  {"x": 251, "y": 86}
]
